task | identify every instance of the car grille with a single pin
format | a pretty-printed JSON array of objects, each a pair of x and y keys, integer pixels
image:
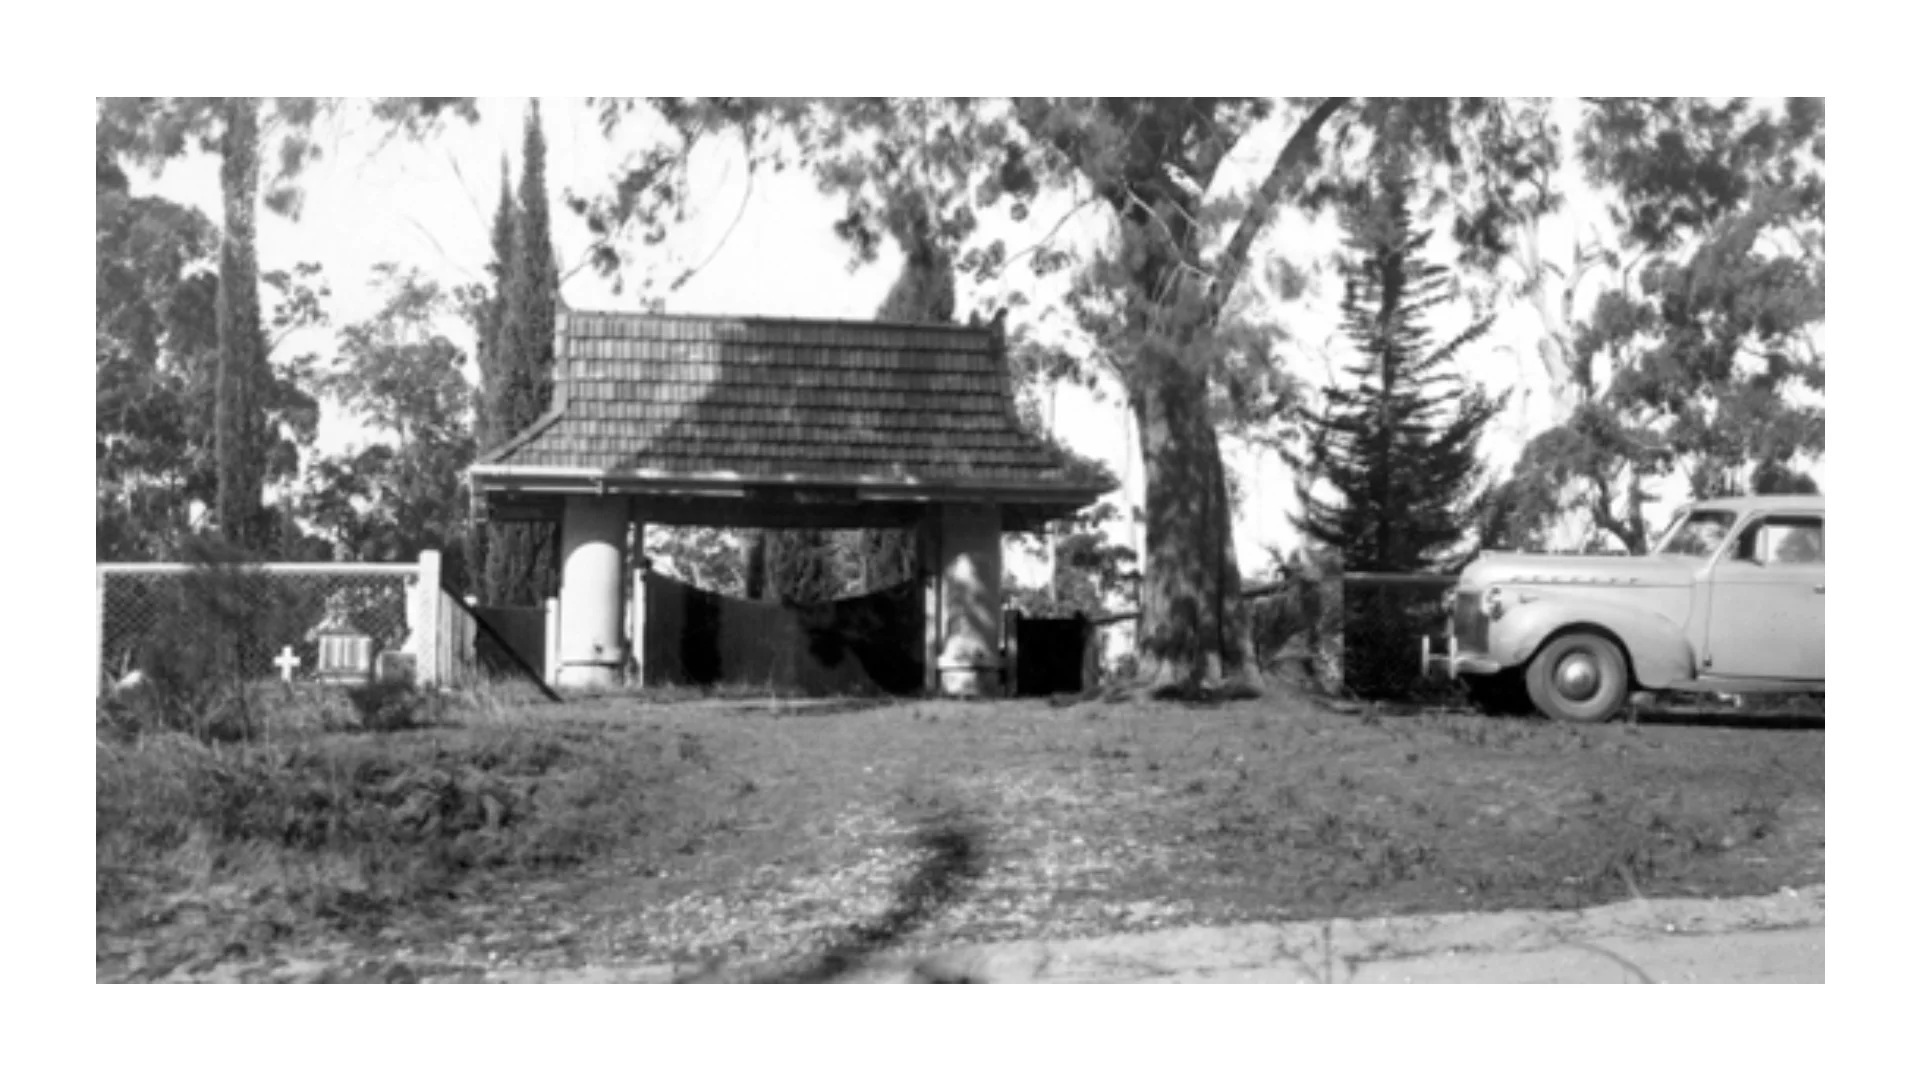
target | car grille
[{"x": 1469, "y": 622}]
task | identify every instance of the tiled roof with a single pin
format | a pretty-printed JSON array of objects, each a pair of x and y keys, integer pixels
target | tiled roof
[{"x": 782, "y": 397}]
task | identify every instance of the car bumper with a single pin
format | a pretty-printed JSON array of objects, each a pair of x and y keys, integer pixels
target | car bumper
[{"x": 1451, "y": 662}]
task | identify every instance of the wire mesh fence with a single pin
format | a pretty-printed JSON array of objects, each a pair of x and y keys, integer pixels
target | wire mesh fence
[{"x": 246, "y": 614}]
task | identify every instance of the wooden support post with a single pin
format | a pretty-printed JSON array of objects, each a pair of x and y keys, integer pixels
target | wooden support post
[{"x": 553, "y": 640}]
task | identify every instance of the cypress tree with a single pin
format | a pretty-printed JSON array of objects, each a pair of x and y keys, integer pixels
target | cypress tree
[
  {"x": 485, "y": 314},
  {"x": 533, "y": 287},
  {"x": 520, "y": 557},
  {"x": 1400, "y": 443},
  {"x": 488, "y": 314}
]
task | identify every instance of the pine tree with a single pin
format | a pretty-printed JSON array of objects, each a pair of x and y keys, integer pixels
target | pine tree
[
  {"x": 520, "y": 557},
  {"x": 1399, "y": 445}
]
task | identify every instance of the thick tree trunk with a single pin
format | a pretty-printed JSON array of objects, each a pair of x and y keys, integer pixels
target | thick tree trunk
[
  {"x": 1193, "y": 633},
  {"x": 239, "y": 421}
]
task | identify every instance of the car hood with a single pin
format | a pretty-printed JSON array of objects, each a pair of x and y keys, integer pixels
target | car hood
[{"x": 1500, "y": 567}]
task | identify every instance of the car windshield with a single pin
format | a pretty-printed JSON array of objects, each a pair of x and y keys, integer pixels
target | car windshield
[{"x": 1697, "y": 535}]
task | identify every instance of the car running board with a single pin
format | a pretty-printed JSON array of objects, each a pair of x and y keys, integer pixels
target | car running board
[{"x": 1748, "y": 686}]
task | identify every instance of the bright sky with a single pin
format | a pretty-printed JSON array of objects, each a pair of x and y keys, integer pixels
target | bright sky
[{"x": 768, "y": 249}]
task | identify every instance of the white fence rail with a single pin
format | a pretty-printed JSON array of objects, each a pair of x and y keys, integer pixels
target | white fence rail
[{"x": 400, "y": 606}]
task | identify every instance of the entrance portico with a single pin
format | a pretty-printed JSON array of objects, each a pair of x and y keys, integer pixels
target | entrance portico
[{"x": 773, "y": 423}]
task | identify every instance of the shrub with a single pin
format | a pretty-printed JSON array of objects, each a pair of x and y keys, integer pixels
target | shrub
[
  {"x": 220, "y": 616},
  {"x": 338, "y": 822},
  {"x": 395, "y": 706}
]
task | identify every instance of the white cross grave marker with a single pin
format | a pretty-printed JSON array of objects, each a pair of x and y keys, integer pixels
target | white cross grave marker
[{"x": 286, "y": 662}]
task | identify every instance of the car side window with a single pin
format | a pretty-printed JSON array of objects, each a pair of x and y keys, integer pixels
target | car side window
[
  {"x": 1783, "y": 541},
  {"x": 1700, "y": 535}
]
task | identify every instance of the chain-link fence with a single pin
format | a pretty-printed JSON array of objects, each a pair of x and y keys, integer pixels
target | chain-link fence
[{"x": 239, "y": 617}]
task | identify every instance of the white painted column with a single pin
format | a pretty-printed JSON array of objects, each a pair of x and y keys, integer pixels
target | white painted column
[
  {"x": 593, "y": 539},
  {"x": 970, "y": 663},
  {"x": 427, "y": 642}
]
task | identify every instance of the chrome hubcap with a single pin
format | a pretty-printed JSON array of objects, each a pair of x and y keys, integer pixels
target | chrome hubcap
[{"x": 1578, "y": 677}]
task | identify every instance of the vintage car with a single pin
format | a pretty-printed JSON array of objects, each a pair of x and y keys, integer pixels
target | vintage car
[{"x": 1732, "y": 600}]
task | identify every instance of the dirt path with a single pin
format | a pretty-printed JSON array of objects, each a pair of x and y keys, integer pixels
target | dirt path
[{"x": 1776, "y": 938}]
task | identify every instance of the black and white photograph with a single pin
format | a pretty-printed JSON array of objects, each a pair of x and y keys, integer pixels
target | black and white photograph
[{"x": 917, "y": 540}]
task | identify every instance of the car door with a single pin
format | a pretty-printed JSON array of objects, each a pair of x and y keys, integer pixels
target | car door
[{"x": 1767, "y": 597}]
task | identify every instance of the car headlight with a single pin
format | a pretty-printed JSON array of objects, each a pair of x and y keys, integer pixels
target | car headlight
[{"x": 1492, "y": 602}]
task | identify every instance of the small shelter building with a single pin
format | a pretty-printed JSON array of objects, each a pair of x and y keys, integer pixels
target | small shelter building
[{"x": 781, "y": 423}]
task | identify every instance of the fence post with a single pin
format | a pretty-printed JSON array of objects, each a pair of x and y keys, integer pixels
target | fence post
[
  {"x": 99, "y": 629},
  {"x": 637, "y": 627},
  {"x": 553, "y": 640},
  {"x": 426, "y": 612}
]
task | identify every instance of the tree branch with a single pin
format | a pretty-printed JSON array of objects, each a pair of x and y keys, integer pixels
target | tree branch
[
  {"x": 1298, "y": 149},
  {"x": 1600, "y": 505},
  {"x": 740, "y": 212},
  {"x": 1051, "y": 233}
]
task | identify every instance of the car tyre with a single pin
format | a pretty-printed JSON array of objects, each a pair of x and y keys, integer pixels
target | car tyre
[
  {"x": 1579, "y": 678},
  {"x": 1502, "y": 694}
]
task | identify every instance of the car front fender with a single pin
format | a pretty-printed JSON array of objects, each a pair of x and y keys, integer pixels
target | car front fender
[{"x": 1657, "y": 649}]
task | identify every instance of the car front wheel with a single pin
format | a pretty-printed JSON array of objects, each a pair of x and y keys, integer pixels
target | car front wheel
[{"x": 1580, "y": 678}]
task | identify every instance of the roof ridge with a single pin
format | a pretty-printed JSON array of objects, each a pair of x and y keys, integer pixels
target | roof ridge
[{"x": 792, "y": 320}]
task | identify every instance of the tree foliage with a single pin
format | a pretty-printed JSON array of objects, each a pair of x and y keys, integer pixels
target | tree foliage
[
  {"x": 158, "y": 356},
  {"x": 1156, "y": 296},
  {"x": 517, "y": 373},
  {"x": 1703, "y": 358},
  {"x": 1091, "y": 574},
  {"x": 401, "y": 378},
  {"x": 1400, "y": 444},
  {"x": 703, "y": 556},
  {"x": 153, "y": 337},
  {"x": 262, "y": 146}
]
